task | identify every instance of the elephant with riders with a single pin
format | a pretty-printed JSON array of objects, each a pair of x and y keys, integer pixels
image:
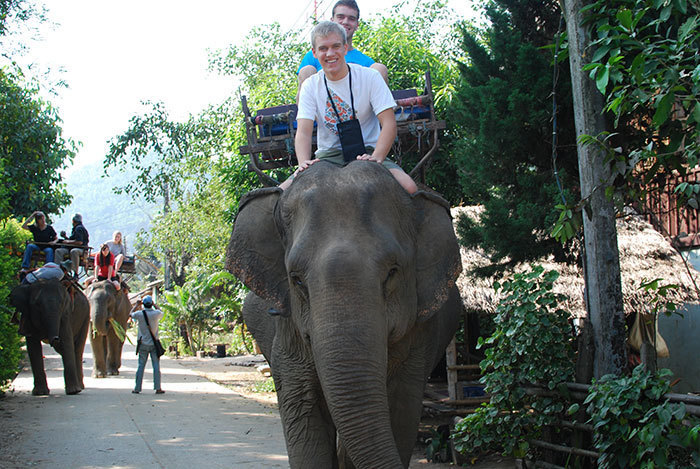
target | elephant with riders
[{"x": 353, "y": 301}]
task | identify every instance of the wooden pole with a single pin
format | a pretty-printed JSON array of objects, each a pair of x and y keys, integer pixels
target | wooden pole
[{"x": 601, "y": 257}]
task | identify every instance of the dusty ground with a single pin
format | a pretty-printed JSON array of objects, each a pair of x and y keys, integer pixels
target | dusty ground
[
  {"x": 210, "y": 412},
  {"x": 241, "y": 375}
]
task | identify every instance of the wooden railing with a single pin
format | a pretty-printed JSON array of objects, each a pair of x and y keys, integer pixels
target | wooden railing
[{"x": 681, "y": 226}]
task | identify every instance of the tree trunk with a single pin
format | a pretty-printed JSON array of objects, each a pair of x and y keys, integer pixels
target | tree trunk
[{"x": 601, "y": 256}]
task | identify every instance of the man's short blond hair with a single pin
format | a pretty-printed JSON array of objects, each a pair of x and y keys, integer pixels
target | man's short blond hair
[{"x": 326, "y": 28}]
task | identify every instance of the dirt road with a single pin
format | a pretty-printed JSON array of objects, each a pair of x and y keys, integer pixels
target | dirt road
[{"x": 196, "y": 423}]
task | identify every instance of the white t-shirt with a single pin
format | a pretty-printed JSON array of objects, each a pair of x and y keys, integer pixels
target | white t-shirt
[{"x": 371, "y": 96}]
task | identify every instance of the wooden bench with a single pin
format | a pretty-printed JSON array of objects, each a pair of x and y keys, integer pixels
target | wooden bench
[
  {"x": 38, "y": 257},
  {"x": 271, "y": 131},
  {"x": 128, "y": 265}
]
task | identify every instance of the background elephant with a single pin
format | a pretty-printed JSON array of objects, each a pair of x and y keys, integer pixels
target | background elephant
[
  {"x": 353, "y": 302},
  {"x": 106, "y": 302},
  {"x": 58, "y": 316}
]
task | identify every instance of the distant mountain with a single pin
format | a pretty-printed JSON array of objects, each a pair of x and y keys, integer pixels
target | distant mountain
[{"x": 103, "y": 211}]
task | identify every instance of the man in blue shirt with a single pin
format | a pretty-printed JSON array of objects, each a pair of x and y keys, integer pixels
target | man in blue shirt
[{"x": 347, "y": 14}]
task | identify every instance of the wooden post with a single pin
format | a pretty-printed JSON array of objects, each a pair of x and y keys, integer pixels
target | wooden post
[
  {"x": 452, "y": 373},
  {"x": 601, "y": 257}
]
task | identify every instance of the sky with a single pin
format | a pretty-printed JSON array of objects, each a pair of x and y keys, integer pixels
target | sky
[{"x": 113, "y": 55}]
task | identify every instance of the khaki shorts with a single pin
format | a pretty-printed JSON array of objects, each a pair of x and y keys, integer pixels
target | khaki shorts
[{"x": 336, "y": 157}]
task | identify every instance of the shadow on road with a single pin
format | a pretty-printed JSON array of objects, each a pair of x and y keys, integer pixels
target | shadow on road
[{"x": 195, "y": 423}]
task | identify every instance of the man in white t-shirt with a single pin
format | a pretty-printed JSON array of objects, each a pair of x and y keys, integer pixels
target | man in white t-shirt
[{"x": 328, "y": 98}]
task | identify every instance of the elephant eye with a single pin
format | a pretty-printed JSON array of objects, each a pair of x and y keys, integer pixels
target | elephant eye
[
  {"x": 299, "y": 286},
  {"x": 296, "y": 280}
]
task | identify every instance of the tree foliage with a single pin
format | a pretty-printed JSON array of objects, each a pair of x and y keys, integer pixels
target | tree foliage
[
  {"x": 531, "y": 344},
  {"x": 32, "y": 150},
  {"x": 12, "y": 238},
  {"x": 503, "y": 122},
  {"x": 645, "y": 62}
]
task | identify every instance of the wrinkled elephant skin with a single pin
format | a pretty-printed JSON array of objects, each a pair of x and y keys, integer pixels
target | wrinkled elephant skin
[
  {"x": 106, "y": 303},
  {"x": 60, "y": 317},
  {"x": 353, "y": 303}
]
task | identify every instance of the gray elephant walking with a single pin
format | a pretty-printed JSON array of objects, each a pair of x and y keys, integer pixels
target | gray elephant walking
[
  {"x": 353, "y": 303},
  {"x": 59, "y": 315},
  {"x": 106, "y": 304}
]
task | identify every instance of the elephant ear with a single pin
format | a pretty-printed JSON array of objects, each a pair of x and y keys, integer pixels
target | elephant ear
[
  {"x": 19, "y": 297},
  {"x": 255, "y": 253},
  {"x": 438, "y": 262}
]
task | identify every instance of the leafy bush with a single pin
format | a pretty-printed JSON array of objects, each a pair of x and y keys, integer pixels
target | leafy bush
[
  {"x": 634, "y": 427},
  {"x": 12, "y": 238},
  {"x": 531, "y": 344}
]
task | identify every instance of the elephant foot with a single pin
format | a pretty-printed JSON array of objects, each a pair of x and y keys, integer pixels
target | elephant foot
[
  {"x": 113, "y": 372},
  {"x": 40, "y": 392},
  {"x": 73, "y": 391},
  {"x": 99, "y": 374}
]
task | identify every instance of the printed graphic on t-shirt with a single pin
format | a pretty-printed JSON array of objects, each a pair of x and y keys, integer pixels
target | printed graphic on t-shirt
[{"x": 344, "y": 111}]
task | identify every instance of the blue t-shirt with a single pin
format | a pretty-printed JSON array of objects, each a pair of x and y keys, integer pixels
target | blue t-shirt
[{"x": 353, "y": 56}]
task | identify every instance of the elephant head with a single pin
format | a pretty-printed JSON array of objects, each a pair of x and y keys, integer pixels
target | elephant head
[
  {"x": 43, "y": 305},
  {"x": 351, "y": 264},
  {"x": 104, "y": 301}
]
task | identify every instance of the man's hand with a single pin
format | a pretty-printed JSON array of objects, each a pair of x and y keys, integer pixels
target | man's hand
[
  {"x": 303, "y": 165},
  {"x": 367, "y": 157}
]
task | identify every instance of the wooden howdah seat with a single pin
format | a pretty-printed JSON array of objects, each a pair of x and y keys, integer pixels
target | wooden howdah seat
[
  {"x": 39, "y": 258},
  {"x": 128, "y": 266},
  {"x": 270, "y": 133}
]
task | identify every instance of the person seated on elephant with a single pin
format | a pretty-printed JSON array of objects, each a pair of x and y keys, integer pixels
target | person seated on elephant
[
  {"x": 145, "y": 345},
  {"x": 48, "y": 271},
  {"x": 347, "y": 14},
  {"x": 79, "y": 237},
  {"x": 104, "y": 267},
  {"x": 345, "y": 99},
  {"x": 44, "y": 236},
  {"x": 118, "y": 248}
]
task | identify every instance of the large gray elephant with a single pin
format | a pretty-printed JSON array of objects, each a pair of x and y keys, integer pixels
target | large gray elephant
[
  {"x": 59, "y": 315},
  {"x": 353, "y": 303},
  {"x": 106, "y": 302}
]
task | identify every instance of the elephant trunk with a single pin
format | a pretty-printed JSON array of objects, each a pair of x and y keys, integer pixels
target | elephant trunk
[
  {"x": 99, "y": 317},
  {"x": 353, "y": 373}
]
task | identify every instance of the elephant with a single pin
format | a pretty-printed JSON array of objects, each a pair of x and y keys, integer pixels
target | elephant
[
  {"x": 353, "y": 302},
  {"x": 59, "y": 315},
  {"x": 106, "y": 302}
]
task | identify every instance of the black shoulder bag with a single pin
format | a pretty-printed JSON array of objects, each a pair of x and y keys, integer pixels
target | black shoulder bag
[
  {"x": 159, "y": 347},
  {"x": 349, "y": 132}
]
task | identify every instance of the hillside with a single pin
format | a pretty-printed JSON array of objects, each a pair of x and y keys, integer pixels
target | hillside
[{"x": 103, "y": 211}]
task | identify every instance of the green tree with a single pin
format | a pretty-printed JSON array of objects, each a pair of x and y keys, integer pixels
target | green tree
[
  {"x": 32, "y": 150},
  {"x": 417, "y": 37},
  {"x": 645, "y": 63},
  {"x": 199, "y": 305},
  {"x": 12, "y": 238},
  {"x": 503, "y": 122}
]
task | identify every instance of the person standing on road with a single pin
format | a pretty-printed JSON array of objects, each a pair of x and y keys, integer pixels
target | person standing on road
[{"x": 145, "y": 345}]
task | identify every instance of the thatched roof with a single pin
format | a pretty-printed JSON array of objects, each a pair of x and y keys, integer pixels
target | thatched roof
[{"x": 644, "y": 255}]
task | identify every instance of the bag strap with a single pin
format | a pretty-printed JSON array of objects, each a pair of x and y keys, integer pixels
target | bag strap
[
  {"x": 352, "y": 98},
  {"x": 145, "y": 316}
]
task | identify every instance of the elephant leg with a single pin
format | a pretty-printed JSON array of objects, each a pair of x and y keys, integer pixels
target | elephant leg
[
  {"x": 308, "y": 428},
  {"x": 36, "y": 359},
  {"x": 79, "y": 347},
  {"x": 99, "y": 354},
  {"x": 70, "y": 368},
  {"x": 114, "y": 354}
]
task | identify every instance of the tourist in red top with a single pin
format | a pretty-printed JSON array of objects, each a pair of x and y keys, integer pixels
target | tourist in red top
[{"x": 104, "y": 266}]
